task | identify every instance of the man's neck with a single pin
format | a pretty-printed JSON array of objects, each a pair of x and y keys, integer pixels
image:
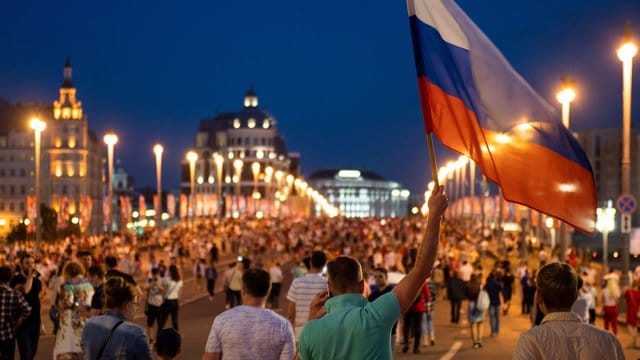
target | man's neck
[
  {"x": 314, "y": 271},
  {"x": 254, "y": 301}
]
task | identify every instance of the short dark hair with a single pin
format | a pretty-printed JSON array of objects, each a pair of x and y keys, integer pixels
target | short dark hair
[
  {"x": 5, "y": 274},
  {"x": 318, "y": 259},
  {"x": 111, "y": 261},
  {"x": 96, "y": 270},
  {"x": 557, "y": 284},
  {"x": 168, "y": 343},
  {"x": 345, "y": 273},
  {"x": 26, "y": 255},
  {"x": 256, "y": 282},
  {"x": 381, "y": 270}
]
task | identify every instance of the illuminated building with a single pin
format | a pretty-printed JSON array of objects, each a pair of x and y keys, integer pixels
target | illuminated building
[
  {"x": 250, "y": 135},
  {"x": 360, "y": 193},
  {"x": 72, "y": 157}
]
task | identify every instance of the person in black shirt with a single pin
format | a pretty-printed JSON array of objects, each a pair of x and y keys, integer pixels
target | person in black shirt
[
  {"x": 27, "y": 281},
  {"x": 96, "y": 277},
  {"x": 380, "y": 277},
  {"x": 112, "y": 271}
]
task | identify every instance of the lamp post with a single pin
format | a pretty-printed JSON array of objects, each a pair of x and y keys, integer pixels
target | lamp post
[
  {"x": 626, "y": 52},
  {"x": 192, "y": 156},
  {"x": 237, "y": 165},
  {"x": 110, "y": 139},
  {"x": 552, "y": 231},
  {"x": 268, "y": 174},
  {"x": 605, "y": 223},
  {"x": 565, "y": 97},
  {"x": 158, "y": 149},
  {"x": 255, "y": 170},
  {"x": 219, "y": 160},
  {"x": 38, "y": 127}
]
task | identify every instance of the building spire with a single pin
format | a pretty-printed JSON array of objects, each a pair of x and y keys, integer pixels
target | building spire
[
  {"x": 67, "y": 74},
  {"x": 251, "y": 99}
]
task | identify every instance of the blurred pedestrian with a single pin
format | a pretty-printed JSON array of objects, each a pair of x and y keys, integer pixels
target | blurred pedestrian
[
  {"x": 154, "y": 299},
  {"x": 271, "y": 335},
  {"x": 304, "y": 289},
  {"x": 114, "y": 335},
  {"x": 611, "y": 295},
  {"x": 476, "y": 309},
  {"x": 275, "y": 272},
  {"x": 27, "y": 281},
  {"x": 168, "y": 344},
  {"x": 211, "y": 274},
  {"x": 172, "y": 286},
  {"x": 632, "y": 298},
  {"x": 14, "y": 310},
  {"x": 455, "y": 293},
  {"x": 74, "y": 303},
  {"x": 563, "y": 334},
  {"x": 494, "y": 289}
]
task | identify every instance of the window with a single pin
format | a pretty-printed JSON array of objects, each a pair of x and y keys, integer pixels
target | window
[
  {"x": 251, "y": 123},
  {"x": 263, "y": 141},
  {"x": 236, "y": 123},
  {"x": 11, "y": 206},
  {"x": 12, "y": 172},
  {"x": 22, "y": 172},
  {"x": 21, "y": 206},
  {"x": 12, "y": 190},
  {"x": 2, "y": 172},
  {"x": 22, "y": 190},
  {"x": 255, "y": 141},
  {"x": 64, "y": 189},
  {"x": 2, "y": 189},
  {"x": 247, "y": 141},
  {"x": 1, "y": 206},
  {"x": 265, "y": 124}
]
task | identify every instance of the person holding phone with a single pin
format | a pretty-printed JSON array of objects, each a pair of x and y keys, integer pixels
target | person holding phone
[
  {"x": 360, "y": 329},
  {"x": 27, "y": 281}
]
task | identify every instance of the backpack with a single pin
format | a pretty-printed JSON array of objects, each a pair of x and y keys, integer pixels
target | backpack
[{"x": 483, "y": 302}]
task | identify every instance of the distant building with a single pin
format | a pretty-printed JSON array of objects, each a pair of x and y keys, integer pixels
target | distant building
[
  {"x": 71, "y": 162},
  {"x": 249, "y": 135},
  {"x": 359, "y": 193}
]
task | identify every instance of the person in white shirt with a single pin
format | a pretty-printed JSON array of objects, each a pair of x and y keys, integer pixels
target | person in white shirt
[
  {"x": 465, "y": 272},
  {"x": 172, "y": 286},
  {"x": 563, "y": 334},
  {"x": 581, "y": 305},
  {"x": 304, "y": 289},
  {"x": 275, "y": 272},
  {"x": 250, "y": 331}
]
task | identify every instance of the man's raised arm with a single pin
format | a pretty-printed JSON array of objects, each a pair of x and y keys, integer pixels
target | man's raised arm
[{"x": 407, "y": 288}]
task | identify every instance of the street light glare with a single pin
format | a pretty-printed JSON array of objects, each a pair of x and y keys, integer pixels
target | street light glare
[
  {"x": 111, "y": 139},
  {"x": 627, "y": 51},
  {"x": 157, "y": 149},
  {"x": 37, "y": 124},
  {"x": 192, "y": 156},
  {"x": 566, "y": 96},
  {"x": 237, "y": 164}
]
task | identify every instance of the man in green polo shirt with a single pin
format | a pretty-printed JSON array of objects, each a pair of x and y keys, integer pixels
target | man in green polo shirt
[{"x": 345, "y": 325}]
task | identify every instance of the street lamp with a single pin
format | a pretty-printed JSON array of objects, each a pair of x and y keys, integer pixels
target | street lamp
[
  {"x": 605, "y": 223},
  {"x": 626, "y": 52},
  {"x": 219, "y": 160},
  {"x": 565, "y": 97},
  {"x": 255, "y": 170},
  {"x": 549, "y": 223},
  {"x": 158, "y": 149},
  {"x": 110, "y": 139},
  {"x": 268, "y": 174},
  {"x": 237, "y": 165},
  {"x": 38, "y": 127},
  {"x": 192, "y": 156}
]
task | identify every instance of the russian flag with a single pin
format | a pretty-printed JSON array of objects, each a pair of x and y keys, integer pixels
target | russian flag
[{"x": 479, "y": 106}]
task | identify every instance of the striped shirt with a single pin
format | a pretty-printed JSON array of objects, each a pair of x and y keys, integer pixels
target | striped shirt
[{"x": 301, "y": 292}]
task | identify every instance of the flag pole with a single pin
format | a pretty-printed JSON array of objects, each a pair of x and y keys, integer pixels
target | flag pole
[{"x": 432, "y": 156}]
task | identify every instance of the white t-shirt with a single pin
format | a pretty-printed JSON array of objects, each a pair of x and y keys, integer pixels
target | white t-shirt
[
  {"x": 171, "y": 288},
  {"x": 276, "y": 274},
  {"x": 301, "y": 292},
  {"x": 249, "y": 333}
]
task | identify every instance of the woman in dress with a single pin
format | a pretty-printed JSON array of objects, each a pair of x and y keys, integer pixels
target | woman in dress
[{"x": 74, "y": 306}]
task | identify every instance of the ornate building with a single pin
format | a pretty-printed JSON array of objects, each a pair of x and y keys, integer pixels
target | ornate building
[
  {"x": 71, "y": 166},
  {"x": 247, "y": 137}
]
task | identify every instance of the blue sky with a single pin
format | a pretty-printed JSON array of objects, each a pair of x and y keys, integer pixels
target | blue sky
[{"x": 338, "y": 75}]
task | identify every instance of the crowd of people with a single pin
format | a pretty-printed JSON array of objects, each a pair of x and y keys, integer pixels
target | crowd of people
[{"x": 374, "y": 282}]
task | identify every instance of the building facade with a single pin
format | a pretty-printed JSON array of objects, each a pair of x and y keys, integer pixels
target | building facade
[
  {"x": 359, "y": 193},
  {"x": 238, "y": 141},
  {"x": 71, "y": 171}
]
